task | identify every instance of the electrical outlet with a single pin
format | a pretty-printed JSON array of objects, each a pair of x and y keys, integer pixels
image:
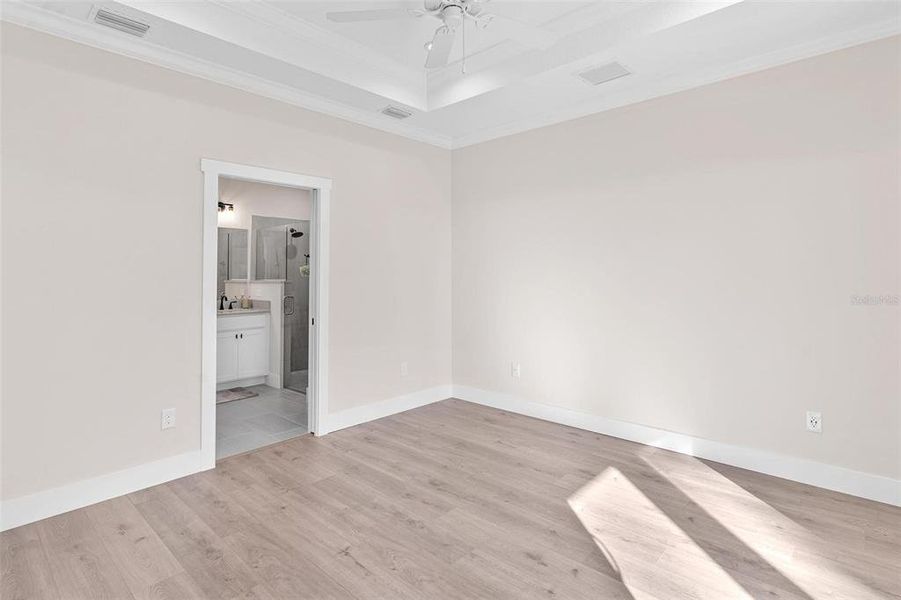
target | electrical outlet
[
  {"x": 167, "y": 419},
  {"x": 516, "y": 370},
  {"x": 404, "y": 369},
  {"x": 814, "y": 421}
]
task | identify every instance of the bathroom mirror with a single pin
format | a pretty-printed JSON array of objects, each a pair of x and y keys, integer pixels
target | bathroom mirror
[{"x": 232, "y": 255}]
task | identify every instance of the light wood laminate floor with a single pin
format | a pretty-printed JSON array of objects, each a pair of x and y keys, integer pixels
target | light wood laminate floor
[{"x": 455, "y": 500}]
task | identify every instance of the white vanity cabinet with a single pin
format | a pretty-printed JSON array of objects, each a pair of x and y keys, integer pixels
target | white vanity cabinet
[{"x": 242, "y": 346}]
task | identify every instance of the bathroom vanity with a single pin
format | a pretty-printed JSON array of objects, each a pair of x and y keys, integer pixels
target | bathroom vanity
[{"x": 242, "y": 346}]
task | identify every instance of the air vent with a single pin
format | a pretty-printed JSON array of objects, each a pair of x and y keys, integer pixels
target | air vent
[
  {"x": 111, "y": 19},
  {"x": 603, "y": 74},
  {"x": 396, "y": 113}
]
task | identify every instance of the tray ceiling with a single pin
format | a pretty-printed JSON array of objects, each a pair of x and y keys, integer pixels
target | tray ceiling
[{"x": 290, "y": 50}]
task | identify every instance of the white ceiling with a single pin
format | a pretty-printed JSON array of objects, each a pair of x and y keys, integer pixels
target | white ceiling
[
  {"x": 290, "y": 51},
  {"x": 402, "y": 40}
]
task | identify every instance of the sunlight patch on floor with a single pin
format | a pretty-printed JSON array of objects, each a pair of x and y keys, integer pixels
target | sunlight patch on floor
[
  {"x": 787, "y": 546},
  {"x": 635, "y": 534},
  {"x": 677, "y": 528}
]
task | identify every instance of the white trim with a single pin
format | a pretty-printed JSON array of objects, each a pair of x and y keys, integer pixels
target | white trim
[
  {"x": 317, "y": 409},
  {"x": 40, "y": 505},
  {"x": 48, "y": 21},
  {"x": 209, "y": 318},
  {"x": 839, "y": 479},
  {"x": 319, "y": 286},
  {"x": 370, "y": 412},
  {"x": 264, "y": 175}
]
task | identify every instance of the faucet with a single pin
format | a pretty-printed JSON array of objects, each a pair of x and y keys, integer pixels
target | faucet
[
  {"x": 231, "y": 304},
  {"x": 222, "y": 299}
]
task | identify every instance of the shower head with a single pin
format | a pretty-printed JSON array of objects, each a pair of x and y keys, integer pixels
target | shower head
[{"x": 295, "y": 233}]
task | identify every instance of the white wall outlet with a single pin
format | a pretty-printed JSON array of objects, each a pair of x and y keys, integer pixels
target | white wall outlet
[
  {"x": 516, "y": 370},
  {"x": 404, "y": 369},
  {"x": 167, "y": 419},
  {"x": 814, "y": 421}
]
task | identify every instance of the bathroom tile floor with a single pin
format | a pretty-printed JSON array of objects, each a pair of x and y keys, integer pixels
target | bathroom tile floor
[
  {"x": 298, "y": 380},
  {"x": 272, "y": 416}
]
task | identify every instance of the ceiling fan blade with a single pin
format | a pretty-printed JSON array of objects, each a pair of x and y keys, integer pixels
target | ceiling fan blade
[
  {"x": 525, "y": 34},
  {"x": 440, "y": 48},
  {"x": 384, "y": 14}
]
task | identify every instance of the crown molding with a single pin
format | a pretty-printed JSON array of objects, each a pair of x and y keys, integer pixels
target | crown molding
[
  {"x": 26, "y": 15},
  {"x": 32, "y": 17},
  {"x": 258, "y": 28},
  {"x": 683, "y": 83}
]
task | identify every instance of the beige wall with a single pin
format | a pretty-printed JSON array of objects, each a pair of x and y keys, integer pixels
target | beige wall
[
  {"x": 102, "y": 194},
  {"x": 688, "y": 263},
  {"x": 251, "y": 198}
]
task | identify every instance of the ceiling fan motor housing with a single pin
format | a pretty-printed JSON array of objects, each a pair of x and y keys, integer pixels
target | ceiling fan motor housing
[{"x": 452, "y": 15}]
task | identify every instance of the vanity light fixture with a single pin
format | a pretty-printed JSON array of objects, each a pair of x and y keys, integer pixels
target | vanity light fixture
[{"x": 226, "y": 207}]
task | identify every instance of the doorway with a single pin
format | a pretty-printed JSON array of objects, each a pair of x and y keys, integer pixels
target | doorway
[{"x": 288, "y": 267}]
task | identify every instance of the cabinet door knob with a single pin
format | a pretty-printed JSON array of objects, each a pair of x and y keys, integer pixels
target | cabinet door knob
[{"x": 236, "y": 336}]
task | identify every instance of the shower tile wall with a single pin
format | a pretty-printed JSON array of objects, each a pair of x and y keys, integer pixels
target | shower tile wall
[
  {"x": 297, "y": 325},
  {"x": 279, "y": 255}
]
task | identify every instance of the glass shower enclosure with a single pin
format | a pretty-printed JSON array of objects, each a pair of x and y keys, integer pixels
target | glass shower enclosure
[{"x": 281, "y": 250}]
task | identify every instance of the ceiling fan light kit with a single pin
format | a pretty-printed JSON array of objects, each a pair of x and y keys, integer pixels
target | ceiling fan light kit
[{"x": 453, "y": 15}]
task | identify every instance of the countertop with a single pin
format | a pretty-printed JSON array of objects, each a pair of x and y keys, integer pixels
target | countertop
[{"x": 242, "y": 311}]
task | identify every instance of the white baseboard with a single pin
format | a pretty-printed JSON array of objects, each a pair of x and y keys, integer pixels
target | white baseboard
[
  {"x": 370, "y": 412},
  {"x": 48, "y": 503},
  {"x": 34, "y": 507},
  {"x": 839, "y": 479}
]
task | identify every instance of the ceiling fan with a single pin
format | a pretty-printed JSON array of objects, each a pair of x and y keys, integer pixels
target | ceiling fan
[{"x": 453, "y": 15}]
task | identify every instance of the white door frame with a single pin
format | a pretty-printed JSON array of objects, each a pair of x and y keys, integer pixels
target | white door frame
[{"x": 320, "y": 189}]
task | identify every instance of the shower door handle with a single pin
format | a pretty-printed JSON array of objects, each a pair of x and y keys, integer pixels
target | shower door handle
[{"x": 288, "y": 306}]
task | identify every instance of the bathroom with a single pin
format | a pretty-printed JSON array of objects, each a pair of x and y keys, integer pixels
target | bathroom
[{"x": 263, "y": 302}]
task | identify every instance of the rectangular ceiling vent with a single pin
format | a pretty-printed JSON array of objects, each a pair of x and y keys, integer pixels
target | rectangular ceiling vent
[
  {"x": 110, "y": 19},
  {"x": 604, "y": 73},
  {"x": 396, "y": 113}
]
